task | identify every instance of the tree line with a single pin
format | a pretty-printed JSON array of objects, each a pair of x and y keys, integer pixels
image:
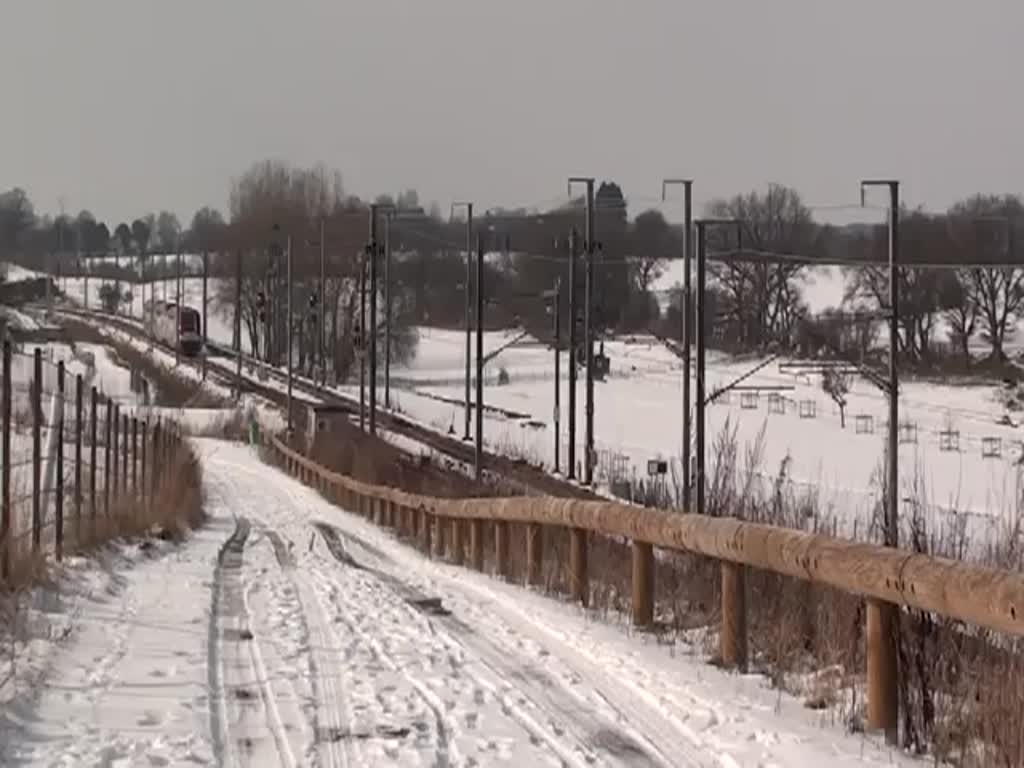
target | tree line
[{"x": 759, "y": 271}]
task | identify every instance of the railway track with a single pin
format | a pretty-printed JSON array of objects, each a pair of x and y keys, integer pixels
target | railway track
[{"x": 532, "y": 479}]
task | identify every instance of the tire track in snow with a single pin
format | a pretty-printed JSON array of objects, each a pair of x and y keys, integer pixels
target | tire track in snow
[
  {"x": 574, "y": 736},
  {"x": 654, "y": 743},
  {"x": 446, "y": 753},
  {"x": 331, "y": 719},
  {"x": 238, "y": 665}
]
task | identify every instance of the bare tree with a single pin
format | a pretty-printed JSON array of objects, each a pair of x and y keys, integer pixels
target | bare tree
[
  {"x": 761, "y": 290},
  {"x": 836, "y": 384},
  {"x": 982, "y": 229},
  {"x": 961, "y": 312}
]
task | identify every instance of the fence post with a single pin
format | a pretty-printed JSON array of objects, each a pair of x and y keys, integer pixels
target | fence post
[
  {"x": 578, "y": 571},
  {"x": 124, "y": 454},
  {"x": 439, "y": 537},
  {"x": 135, "y": 455},
  {"x": 501, "y": 536},
  {"x": 93, "y": 440},
  {"x": 58, "y": 498},
  {"x": 643, "y": 584},
  {"x": 108, "y": 428},
  {"x": 154, "y": 472},
  {"x": 883, "y": 671},
  {"x": 5, "y": 478},
  {"x": 424, "y": 523},
  {"x": 458, "y": 545},
  {"x": 79, "y": 424},
  {"x": 476, "y": 544},
  {"x": 142, "y": 462},
  {"x": 734, "y": 616},
  {"x": 115, "y": 451},
  {"x": 534, "y": 553},
  {"x": 37, "y": 448}
]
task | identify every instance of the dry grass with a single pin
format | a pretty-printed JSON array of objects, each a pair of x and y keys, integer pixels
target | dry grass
[
  {"x": 348, "y": 450},
  {"x": 168, "y": 513}
]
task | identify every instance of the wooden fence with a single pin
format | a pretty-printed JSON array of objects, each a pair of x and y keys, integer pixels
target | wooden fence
[
  {"x": 886, "y": 578},
  {"x": 79, "y": 458}
]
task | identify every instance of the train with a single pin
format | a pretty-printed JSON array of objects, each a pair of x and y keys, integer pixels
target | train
[{"x": 174, "y": 326}]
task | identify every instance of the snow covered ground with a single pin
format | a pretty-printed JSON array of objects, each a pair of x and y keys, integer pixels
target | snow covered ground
[
  {"x": 288, "y": 632},
  {"x": 638, "y": 416}
]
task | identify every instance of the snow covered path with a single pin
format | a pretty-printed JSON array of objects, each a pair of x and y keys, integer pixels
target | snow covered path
[{"x": 288, "y": 632}]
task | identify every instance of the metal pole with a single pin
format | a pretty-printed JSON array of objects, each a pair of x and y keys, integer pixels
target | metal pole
[
  {"x": 79, "y": 426},
  {"x": 479, "y": 455},
  {"x": 892, "y": 477},
  {"x": 290, "y": 327},
  {"x": 5, "y": 476},
  {"x": 238, "y": 326},
  {"x": 177, "y": 302},
  {"x": 687, "y": 333},
  {"x": 558, "y": 377},
  {"x": 687, "y": 321},
  {"x": 588, "y": 324},
  {"x": 37, "y": 451},
  {"x": 894, "y": 384},
  {"x": 701, "y": 342},
  {"x": 322, "y": 307},
  {"x": 362, "y": 342},
  {"x": 387, "y": 311},
  {"x": 58, "y": 492},
  {"x": 206, "y": 270},
  {"x": 573, "y": 316},
  {"x": 373, "y": 319},
  {"x": 469, "y": 305}
]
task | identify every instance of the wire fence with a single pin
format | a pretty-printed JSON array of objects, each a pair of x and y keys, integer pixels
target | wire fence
[{"x": 71, "y": 458}]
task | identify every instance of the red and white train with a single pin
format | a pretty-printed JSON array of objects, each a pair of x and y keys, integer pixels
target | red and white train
[{"x": 175, "y": 326}]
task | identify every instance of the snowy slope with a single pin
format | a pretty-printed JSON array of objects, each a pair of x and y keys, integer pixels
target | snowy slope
[{"x": 288, "y": 651}]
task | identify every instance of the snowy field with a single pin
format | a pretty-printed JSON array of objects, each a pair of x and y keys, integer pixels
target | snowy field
[
  {"x": 301, "y": 659},
  {"x": 638, "y": 416},
  {"x": 958, "y": 463}
]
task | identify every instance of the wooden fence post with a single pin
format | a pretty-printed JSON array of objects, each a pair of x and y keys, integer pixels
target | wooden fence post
[
  {"x": 458, "y": 552},
  {"x": 142, "y": 459},
  {"x": 58, "y": 491},
  {"x": 126, "y": 442},
  {"x": 476, "y": 544},
  {"x": 734, "y": 616},
  {"x": 643, "y": 584},
  {"x": 439, "y": 537},
  {"x": 37, "y": 448},
  {"x": 135, "y": 455},
  {"x": 113, "y": 450},
  {"x": 5, "y": 478},
  {"x": 424, "y": 523},
  {"x": 154, "y": 474},
  {"x": 377, "y": 505},
  {"x": 534, "y": 553},
  {"x": 883, "y": 669},
  {"x": 578, "y": 572},
  {"x": 94, "y": 400},
  {"x": 501, "y": 547},
  {"x": 79, "y": 426}
]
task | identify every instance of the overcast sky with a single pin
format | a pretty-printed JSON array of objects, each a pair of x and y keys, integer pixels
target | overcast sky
[{"x": 125, "y": 106}]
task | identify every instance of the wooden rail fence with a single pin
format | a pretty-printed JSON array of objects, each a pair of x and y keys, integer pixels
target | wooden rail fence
[{"x": 886, "y": 578}]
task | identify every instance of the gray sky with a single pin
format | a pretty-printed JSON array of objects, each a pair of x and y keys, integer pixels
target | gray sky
[{"x": 125, "y": 106}]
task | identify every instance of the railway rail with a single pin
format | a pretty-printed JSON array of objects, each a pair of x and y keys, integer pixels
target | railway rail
[{"x": 533, "y": 479}]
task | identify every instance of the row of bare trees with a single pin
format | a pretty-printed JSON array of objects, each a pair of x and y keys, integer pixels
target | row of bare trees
[{"x": 759, "y": 273}]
